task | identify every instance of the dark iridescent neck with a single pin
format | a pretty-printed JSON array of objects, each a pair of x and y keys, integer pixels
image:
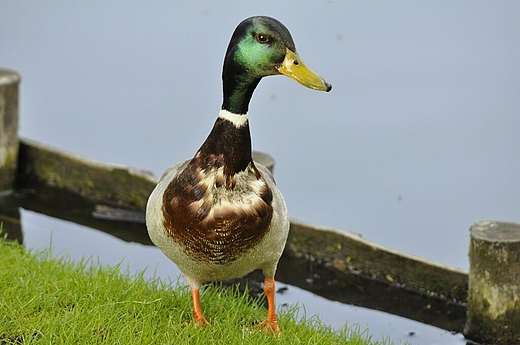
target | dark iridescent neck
[
  {"x": 238, "y": 87},
  {"x": 230, "y": 141}
]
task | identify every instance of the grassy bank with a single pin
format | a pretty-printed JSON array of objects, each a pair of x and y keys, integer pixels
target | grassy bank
[{"x": 45, "y": 300}]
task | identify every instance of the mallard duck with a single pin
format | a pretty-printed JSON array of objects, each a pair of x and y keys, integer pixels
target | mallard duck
[{"x": 220, "y": 215}]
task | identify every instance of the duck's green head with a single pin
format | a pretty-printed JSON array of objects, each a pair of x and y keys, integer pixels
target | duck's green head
[{"x": 262, "y": 46}]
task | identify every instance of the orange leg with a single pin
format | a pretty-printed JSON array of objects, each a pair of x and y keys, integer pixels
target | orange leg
[
  {"x": 197, "y": 310},
  {"x": 270, "y": 323}
]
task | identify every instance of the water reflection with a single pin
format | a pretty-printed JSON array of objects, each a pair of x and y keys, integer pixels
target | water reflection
[{"x": 10, "y": 217}]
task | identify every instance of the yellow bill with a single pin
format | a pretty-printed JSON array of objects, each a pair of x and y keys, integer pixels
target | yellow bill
[{"x": 293, "y": 67}]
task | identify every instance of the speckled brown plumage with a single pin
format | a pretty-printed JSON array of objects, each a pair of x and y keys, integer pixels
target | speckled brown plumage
[{"x": 219, "y": 206}]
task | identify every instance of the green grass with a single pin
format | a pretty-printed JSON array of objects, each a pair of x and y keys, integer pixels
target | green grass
[{"x": 46, "y": 300}]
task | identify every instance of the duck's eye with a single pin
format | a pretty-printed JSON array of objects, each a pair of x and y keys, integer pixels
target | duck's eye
[{"x": 261, "y": 38}]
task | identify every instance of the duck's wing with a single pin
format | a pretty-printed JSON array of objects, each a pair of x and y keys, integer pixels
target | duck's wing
[{"x": 175, "y": 169}]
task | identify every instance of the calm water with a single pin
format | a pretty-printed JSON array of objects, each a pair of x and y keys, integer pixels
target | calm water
[{"x": 417, "y": 141}]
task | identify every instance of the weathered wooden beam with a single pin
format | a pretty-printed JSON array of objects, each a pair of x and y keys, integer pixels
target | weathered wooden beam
[
  {"x": 342, "y": 266},
  {"x": 9, "y": 81},
  {"x": 494, "y": 283},
  {"x": 116, "y": 185},
  {"x": 349, "y": 252}
]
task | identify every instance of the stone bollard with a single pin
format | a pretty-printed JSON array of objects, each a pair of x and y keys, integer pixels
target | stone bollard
[
  {"x": 493, "y": 313},
  {"x": 9, "y": 81}
]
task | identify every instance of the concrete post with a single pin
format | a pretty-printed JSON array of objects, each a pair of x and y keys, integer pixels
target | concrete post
[
  {"x": 493, "y": 314},
  {"x": 9, "y": 81}
]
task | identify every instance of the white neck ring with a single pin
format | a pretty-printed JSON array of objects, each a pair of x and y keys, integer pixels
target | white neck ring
[{"x": 239, "y": 120}]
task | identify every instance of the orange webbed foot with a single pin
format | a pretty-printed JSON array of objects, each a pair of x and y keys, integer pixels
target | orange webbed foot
[
  {"x": 201, "y": 321},
  {"x": 198, "y": 316},
  {"x": 270, "y": 324}
]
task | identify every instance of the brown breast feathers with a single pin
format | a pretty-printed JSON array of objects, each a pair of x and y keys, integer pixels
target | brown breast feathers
[{"x": 216, "y": 217}]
